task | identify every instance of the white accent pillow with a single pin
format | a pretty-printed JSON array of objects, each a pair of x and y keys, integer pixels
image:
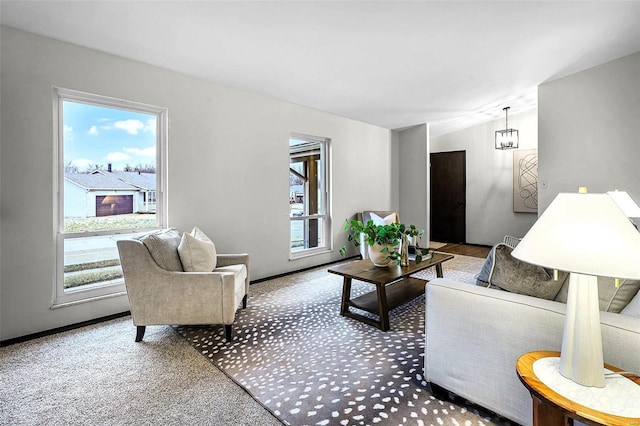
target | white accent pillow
[
  {"x": 379, "y": 221},
  {"x": 197, "y": 252}
]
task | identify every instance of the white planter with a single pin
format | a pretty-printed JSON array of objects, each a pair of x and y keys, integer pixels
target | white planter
[{"x": 377, "y": 257}]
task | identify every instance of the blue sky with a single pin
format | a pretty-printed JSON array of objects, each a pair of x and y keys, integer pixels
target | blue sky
[{"x": 102, "y": 135}]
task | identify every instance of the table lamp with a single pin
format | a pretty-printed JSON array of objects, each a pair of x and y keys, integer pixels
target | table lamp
[{"x": 587, "y": 235}]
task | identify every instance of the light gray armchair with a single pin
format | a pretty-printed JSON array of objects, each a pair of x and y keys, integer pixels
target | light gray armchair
[{"x": 162, "y": 297}]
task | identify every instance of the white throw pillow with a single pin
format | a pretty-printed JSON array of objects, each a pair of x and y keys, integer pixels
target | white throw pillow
[
  {"x": 197, "y": 252},
  {"x": 379, "y": 221}
]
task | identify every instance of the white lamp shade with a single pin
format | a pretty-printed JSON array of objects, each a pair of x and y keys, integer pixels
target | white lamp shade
[{"x": 583, "y": 233}]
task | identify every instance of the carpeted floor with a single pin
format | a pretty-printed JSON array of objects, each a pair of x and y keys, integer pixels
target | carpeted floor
[
  {"x": 310, "y": 366},
  {"x": 293, "y": 352},
  {"x": 98, "y": 375}
]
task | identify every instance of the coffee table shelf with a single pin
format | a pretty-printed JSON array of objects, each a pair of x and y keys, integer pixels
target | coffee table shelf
[
  {"x": 398, "y": 294},
  {"x": 394, "y": 287}
]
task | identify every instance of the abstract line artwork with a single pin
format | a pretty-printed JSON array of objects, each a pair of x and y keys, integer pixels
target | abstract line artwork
[{"x": 525, "y": 181}]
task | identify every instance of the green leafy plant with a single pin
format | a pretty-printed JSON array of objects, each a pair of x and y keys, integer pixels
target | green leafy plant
[{"x": 386, "y": 235}]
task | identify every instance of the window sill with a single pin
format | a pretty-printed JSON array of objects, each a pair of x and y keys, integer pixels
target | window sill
[
  {"x": 308, "y": 253},
  {"x": 66, "y": 304}
]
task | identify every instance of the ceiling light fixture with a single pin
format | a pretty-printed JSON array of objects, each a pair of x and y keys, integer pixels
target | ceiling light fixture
[{"x": 507, "y": 138}]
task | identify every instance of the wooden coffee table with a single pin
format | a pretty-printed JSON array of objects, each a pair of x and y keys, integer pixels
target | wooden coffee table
[{"x": 394, "y": 287}]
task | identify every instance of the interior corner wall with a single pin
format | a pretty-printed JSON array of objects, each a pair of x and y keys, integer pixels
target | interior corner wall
[
  {"x": 228, "y": 161},
  {"x": 413, "y": 177},
  {"x": 489, "y": 209},
  {"x": 395, "y": 171},
  {"x": 589, "y": 131}
]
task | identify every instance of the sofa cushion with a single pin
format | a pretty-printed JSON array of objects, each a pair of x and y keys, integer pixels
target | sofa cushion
[
  {"x": 515, "y": 276},
  {"x": 163, "y": 247},
  {"x": 610, "y": 298},
  {"x": 197, "y": 252}
]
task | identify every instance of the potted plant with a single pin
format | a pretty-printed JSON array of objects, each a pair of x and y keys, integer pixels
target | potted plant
[{"x": 384, "y": 241}]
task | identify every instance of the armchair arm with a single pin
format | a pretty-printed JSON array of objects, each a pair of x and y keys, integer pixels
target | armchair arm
[
  {"x": 232, "y": 259},
  {"x": 236, "y": 259}
]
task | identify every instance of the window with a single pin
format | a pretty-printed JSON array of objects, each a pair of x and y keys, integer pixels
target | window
[
  {"x": 110, "y": 168},
  {"x": 309, "y": 195}
]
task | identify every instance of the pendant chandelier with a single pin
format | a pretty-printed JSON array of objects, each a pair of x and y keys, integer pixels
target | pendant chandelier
[{"x": 507, "y": 138}]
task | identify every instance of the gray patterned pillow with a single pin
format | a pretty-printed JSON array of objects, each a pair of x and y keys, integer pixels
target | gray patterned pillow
[
  {"x": 515, "y": 276},
  {"x": 163, "y": 247}
]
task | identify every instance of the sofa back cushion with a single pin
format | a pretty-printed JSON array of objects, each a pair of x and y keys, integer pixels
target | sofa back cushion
[
  {"x": 163, "y": 247},
  {"x": 610, "y": 298}
]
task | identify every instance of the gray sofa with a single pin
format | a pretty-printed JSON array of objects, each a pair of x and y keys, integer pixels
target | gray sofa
[{"x": 474, "y": 335}]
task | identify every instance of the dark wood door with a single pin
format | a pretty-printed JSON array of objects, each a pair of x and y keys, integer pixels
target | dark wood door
[{"x": 448, "y": 196}]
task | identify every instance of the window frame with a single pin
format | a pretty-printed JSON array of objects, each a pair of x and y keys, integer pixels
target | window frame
[
  {"x": 325, "y": 216},
  {"x": 60, "y": 296}
]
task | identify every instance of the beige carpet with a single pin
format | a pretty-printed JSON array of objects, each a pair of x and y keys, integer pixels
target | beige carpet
[{"x": 98, "y": 375}]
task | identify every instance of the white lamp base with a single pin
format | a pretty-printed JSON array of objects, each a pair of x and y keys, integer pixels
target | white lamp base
[{"x": 581, "y": 357}]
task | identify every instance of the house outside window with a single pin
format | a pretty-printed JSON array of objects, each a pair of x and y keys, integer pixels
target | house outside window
[
  {"x": 309, "y": 195},
  {"x": 110, "y": 185}
]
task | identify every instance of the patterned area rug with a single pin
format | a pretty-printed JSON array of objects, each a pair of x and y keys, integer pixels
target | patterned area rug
[{"x": 308, "y": 365}]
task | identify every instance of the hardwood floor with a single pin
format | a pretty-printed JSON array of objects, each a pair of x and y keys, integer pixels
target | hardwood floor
[{"x": 466, "y": 250}]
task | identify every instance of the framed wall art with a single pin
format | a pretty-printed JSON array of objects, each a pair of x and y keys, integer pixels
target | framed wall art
[{"x": 525, "y": 181}]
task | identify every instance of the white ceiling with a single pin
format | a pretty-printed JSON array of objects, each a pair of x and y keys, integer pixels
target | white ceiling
[{"x": 390, "y": 63}]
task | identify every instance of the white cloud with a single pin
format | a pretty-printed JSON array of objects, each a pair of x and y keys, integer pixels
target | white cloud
[
  {"x": 67, "y": 133},
  {"x": 130, "y": 126},
  {"x": 93, "y": 131},
  {"x": 146, "y": 152},
  {"x": 82, "y": 163},
  {"x": 151, "y": 126},
  {"x": 117, "y": 156}
]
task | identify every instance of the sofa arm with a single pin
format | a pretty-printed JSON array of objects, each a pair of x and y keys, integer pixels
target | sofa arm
[{"x": 474, "y": 336}]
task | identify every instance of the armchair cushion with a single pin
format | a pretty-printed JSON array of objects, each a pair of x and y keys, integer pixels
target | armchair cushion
[
  {"x": 197, "y": 252},
  {"x": 163, "y": 247}
]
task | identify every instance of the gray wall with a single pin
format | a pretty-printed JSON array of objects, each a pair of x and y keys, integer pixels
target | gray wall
[
  {"x": 413, "y": 182},
  {"x": 589, "y": 130},
  {"x": 489, "y": 213},
  {"x": 227, "y": 168}
]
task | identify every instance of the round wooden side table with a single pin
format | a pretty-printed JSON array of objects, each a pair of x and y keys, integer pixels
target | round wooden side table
[{"x": 550, "y": 408}]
